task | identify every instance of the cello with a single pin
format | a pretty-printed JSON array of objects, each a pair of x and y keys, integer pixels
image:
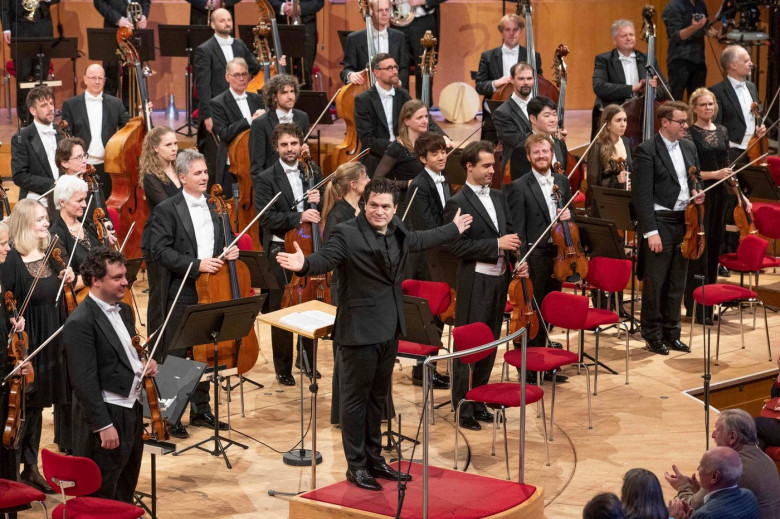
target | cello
[
  {"x": 17, "y": 351},
  {"x": 124, "y": 148},
  {"x": 265, "y": 27},
  {"x": 693, "y": 241},
  {"x": 231, "y": 281},
  {"x": 570, "y": 263}
]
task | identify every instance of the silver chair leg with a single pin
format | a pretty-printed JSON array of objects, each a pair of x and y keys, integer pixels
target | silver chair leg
[
  {"x": 693, "y": 318},
  {"x": 457, "y": 428},
  {"x": 495, "y": 426},
  {"x": 506, "y": 444},
  {"x": 544, "y": 429},
  {"x": 717, "y": 341},
  {"x": 552, "y": 406},
  {"x": 741, "y": 326},
  {"x": 766, "y": 328},
  {"x": 596, "y": 367},
  {"x": 587, "y": 381}
]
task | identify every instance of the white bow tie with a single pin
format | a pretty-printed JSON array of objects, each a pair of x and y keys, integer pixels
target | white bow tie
[
  {"x": 198, "y": 203},
  {"x": 49, "y": 131},
  {"x": 292, "y": 171},
  {"x": 673, "y": 146},
  {"x": 512, "y": 52},
  {"x": 385, "y": 95},
  {"x": 98, "y": 98},
  {"x": 483, "y": 191},
  {"x": 628, "y": 58},
  {"x": 381, "y": 34},
  {"x": 740, "y": 84},
  {"x": 225, "y": 42},
  {"x": 240, "y": 98},
  {"x": 438, "y": 179},
  {"x": 113, "y": 309}
]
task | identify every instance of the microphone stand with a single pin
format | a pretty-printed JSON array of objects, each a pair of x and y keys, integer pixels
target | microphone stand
[{"x": 707, "y": 376}]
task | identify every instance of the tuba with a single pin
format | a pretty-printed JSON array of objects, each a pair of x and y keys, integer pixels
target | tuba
[
  {"x": 30, "y": 6},
  {"x": 401, "y": 13}
]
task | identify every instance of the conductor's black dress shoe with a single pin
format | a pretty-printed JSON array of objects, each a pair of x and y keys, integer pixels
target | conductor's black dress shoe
[{"x": 363, "y": 479}]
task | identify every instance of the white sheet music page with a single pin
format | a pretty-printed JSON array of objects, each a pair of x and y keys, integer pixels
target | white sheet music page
[{"x": 309, "y": 321}]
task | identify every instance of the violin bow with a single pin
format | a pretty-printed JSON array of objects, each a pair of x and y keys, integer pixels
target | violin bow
[
  {"x": 544, "y": 234},
  {"x": 464, "y": 141},
  {"x": 582, "y": 157},
  {"x": 409, "y": 205},
  {"x": 727, "y": 177},
  {"x": 33, "y": 354},
  {"x": 326, "y": 179},
  {"x": 653, "y": 71},
  {"x": 127, "y": 236},
  {"x": 45, "y": 194},
  {"x": 327, "y": 107},
  {"x": 70, "y": 259},
  {"x": 250, "y": 224},
  {"x": 38, "y": 274},
  {"x": 753, "y": 145}
]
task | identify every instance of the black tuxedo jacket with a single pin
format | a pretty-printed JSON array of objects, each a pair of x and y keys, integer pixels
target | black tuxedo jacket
[
  {"x": 655, "y": 181},
  {"x": 113, "y": 10},
  {"x": 96, "y": 361},
  {"x": 729, "y": 110},
  {"x": 199, "y": 14},
  {"x": 309, "y": 10},
  {"x": 427, "y": 210},
  {"x": 12, "y": 15},
  {"x": 74, "y": 110},
  {"x": 174, "y": 245},
  {"x": 491, "y": 67},
  {"x": 478, "y": 243},
  {"x": 30, "y": 168},
  {"x": 228, "y": 123},
  {"x": 528, "y": 208},
  {"x": 356, "y": 54},
  {"x": 518, "y": 159},
  {"x": 512, "y": 127},
  {"x": 370, "y": 309},
  {"x": 609, "y": 80},
  {"x": 261, "y": 147},
  {"x": 209, "y": 66},
  {"x": 281, "y": 216}
]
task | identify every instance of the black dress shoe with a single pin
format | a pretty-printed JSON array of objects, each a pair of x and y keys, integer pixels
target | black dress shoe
[
  {"x": 363, "y": 479},
  {"x": 556, "y": 345},
  {"x": 439, "y": 381},
  {"x": 385, "y": 471},
  {"x": 207, "y": 419},
  {"x": 469, "y": 422},
  {"x": 656, "y": 347},
  {"x": 33, "y": 478},
  {"x": 677, "y": 345},
  {"x": 178, "y": 430},
  {"x": 707, "y": 320},
  {"x": 308, "y": 372},
  {"x": 483, "y": 415},
  {"x": 285, "y": 380},
  {"x": 723, "y": 272},
  {"x": 548, "y": 376}
]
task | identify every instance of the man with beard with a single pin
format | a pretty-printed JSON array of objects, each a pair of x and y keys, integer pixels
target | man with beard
[
  {"x": 543, "y": 117},
  {"x": 511, "y": 118}
]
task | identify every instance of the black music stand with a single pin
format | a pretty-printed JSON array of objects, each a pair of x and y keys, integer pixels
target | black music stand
[
  {"x": 215, "y": 322},
  {"x": 102, "y": 45},
  {"x": 179, "y": 41},
  {"x": 246, "y": 34},
  {"x": 24, "y": 47},
  {"x": 759, "y": 183}
]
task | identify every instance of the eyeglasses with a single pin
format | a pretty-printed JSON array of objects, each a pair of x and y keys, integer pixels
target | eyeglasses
[
  {"x": 240, "y": 75},
  {"x": 96, "y": 78},
  {"x": 390, "y": 68},
  {"x": 681, "y": 122},
  {"x": 80, "y": 158}
]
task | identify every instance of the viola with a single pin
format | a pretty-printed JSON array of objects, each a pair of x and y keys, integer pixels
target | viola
[
  {"x": 17, "y": 351},
  {"x": 231, "y": 281},
  {"x": 70, "y": 297},
  {"x": 90, "y": 177},
  {"x": 521, "y": 295},
  {"x": 693, "y": 241},
  {"x": 158, "y": 430},
  {"x": 742, "y": 218},
  {"x": 570, "y": 263},
  {"x": 305, "y": 288}
]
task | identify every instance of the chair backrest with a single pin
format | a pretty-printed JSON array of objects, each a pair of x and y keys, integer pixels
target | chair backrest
[
  {"x": 774, "y": 168},
  {"x": 751, "y": 252},
  {"x": 245, "y": 242},
  {"x": 767, "y": 219},
  {"x": 564, "y": 310},
  {"x": 436, "y": 293},
  {"x": 82, "y": 471},
  {"x": 471, "y": 336},
  {"x": 608, "y": 274},
  {"x": 114, "y": 216}
]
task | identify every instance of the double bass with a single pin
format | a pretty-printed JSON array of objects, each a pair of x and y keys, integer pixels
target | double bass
[
  {"x": 428, "y": 66},
  {"x": 693, "y": 241},
  {"x": 561, "y": 78},
  {"x": 265, "y": 28}
]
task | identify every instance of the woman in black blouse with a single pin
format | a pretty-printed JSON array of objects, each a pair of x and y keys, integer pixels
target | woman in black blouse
[
  {"x": 157, "y": 176},
  {"x": 610, "y": 148}
]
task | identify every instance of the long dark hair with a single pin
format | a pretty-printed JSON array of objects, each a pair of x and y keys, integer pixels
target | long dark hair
[{"x": 642, "y": 496}]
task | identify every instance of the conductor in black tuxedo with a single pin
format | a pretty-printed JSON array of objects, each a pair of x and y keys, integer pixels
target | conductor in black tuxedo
[
  {"x": 106, "y": 375},
  {"x": 511, "y": 118},
  {"x": 619, "y": 75},
  {"x": 186, "y": 230},
  {"x": 95, "y": 113},
  {"x": 495, "y": 65},
  {"x": 661, "y": 189},
  {"x": 369, "y": 253},
  {"x": 279, "y": 94},
  {"x": 484, "y": 251},
  {"x": 33, "y": 167},
  {"x": 286, "y": 177},
  {"x": 232, "y": 112},
  {"x": 543, "y": 117},
  {"x": 199, "y": 9},
  {"x": 386, "y": 41}
]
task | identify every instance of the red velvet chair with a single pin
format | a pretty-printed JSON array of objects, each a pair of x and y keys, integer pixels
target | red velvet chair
[
  {"x": 745, "y": 262},
  {"x": 495, "y": 396},
  {"x": 14, "y": 494},
  {"x": 80, "y": 477},
  {"x": 774, "y": 168},
  {"x": 767, "y": 220}
]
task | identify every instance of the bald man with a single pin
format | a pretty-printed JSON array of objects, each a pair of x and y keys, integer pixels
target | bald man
[{"x": 95, "y": 117}]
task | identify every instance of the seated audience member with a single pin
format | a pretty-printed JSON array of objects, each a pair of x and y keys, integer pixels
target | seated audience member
[
  {"x": 768, "y": 429},
  {"x": 642, "y": 496},
  {"x": 603, "y": 506}
]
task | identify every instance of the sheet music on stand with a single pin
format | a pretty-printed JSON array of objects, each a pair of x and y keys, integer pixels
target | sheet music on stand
[{"x": 310, "y": 320}]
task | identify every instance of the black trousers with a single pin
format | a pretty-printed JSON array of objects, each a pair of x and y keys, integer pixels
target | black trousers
[
  {"x": 154, "y": 309},
  {"x": 488, "y": 301},
  {"x": 664, "y": 283},
  {"x": 685, "y": 76},
  {"x": 119, "y": 467},
  {"x": 366, "y": 373},
  {"x": 282, "y": 340},
  {"x": 414, "y": 33},
  {"x": 311, "y": 53},
  {"x": 28, "y": 67},
  {"x": 30, "y": 441},
  {"x": 707, "y": 264},
  {"x": 540, "y": 272},
  {"x": 768, "y": 430},
  {"x": 104, "y": 179}
]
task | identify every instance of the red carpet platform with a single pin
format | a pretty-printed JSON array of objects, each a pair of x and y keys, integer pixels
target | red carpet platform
[{"x": 450, "y": 494}]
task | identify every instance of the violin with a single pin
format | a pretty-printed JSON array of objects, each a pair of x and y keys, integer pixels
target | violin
[
  {"x": 755, "y": 151},
  {"x": 70, "y": 297},
  {"x": 570, "y": 264},
  {"x": 622, "y": 166},
  {"x": 693, "y": 242},
  {"x": 742, "y": 218},
  {"x": 6, "y": 206},
  {"x": 158, "y": 430},
  {"x": 231, "y": 281},
  {"x": 17, "y": 351},
  {"x": 521, "y": 295},
  {"x": 307, "y": 235},
  {"x": 90, "y": 177}
]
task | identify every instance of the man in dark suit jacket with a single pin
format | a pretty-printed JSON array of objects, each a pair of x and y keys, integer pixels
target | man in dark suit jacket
[
  {"x": 103, "y": 107},
  {"x": 386, "y": 40},
  {"x": 199, "y": 9},
  {"x": 619, "y": 75},
  {"x": 426, "y": 18},
  {"x": 494, "y": 66},
  {"x": 511, "y": 118},
  {"x": 185, "y": 230},
  {"x": 483, "y": 277},
  {"x": 232, "y": 112},
  {"x": 544, "y": 121},
  {"x": 285, "y": 177},
  {"x": 735, "y": 95},
  {"x": 106, "y": 373},
  {"x": 279, "y": 94},
  {"x": 369, "y": 253},
  {"x": 660, "y": 192},
  {"x": 33, "y": 167},
  {"x": 307, "y": 16},
  {"x": 433, "y": 191}
]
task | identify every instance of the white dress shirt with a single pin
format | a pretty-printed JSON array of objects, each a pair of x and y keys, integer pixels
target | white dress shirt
[
  {"x": 48, "y": 135},
  {"x": 629, "y": 68},
  {"x": 682, "y": 178},
  {"x": 522, "y": 103},
  {"x": 438, "y": 181},
  {"x": 96, "y": 151},
  {"x": 226, "y": 44},
  {"x": 294, "y": 178},
  {"x": 114, "y": 317},
  {"x": 509, "y": 57},
  {"x": 546, "y": 183},
  {"x": 201, "y": 221},
  {"x": 284, "y": 117},
  {"x": 381, "y": 41},
  {"x": 489, "y": 269},
  {"x": 386, "y": 96},
  {"x": 745, "y": 102},
  {"x": 243, "y": 105}
]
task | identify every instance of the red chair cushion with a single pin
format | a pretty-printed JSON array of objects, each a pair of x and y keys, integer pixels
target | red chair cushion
[
  {"x": 770, "y": 262},
  {"x": 471, "y": 336},
  {"x": 773, "y": 452},
  {"x": 598, "y": 317},
  {"x": 88, "y": 507},
  {"x": 416, "y": 349},
  {"x": 541, "y": 359},
  {"x": 114, "y": 216},
  {"x": 506, "y": 394},
  {"x": 718, "y": 293},
  {"x": 608, "y": 274},
  {"x": 14, "y": 494},
  {"x": 435, "y": 292}
]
